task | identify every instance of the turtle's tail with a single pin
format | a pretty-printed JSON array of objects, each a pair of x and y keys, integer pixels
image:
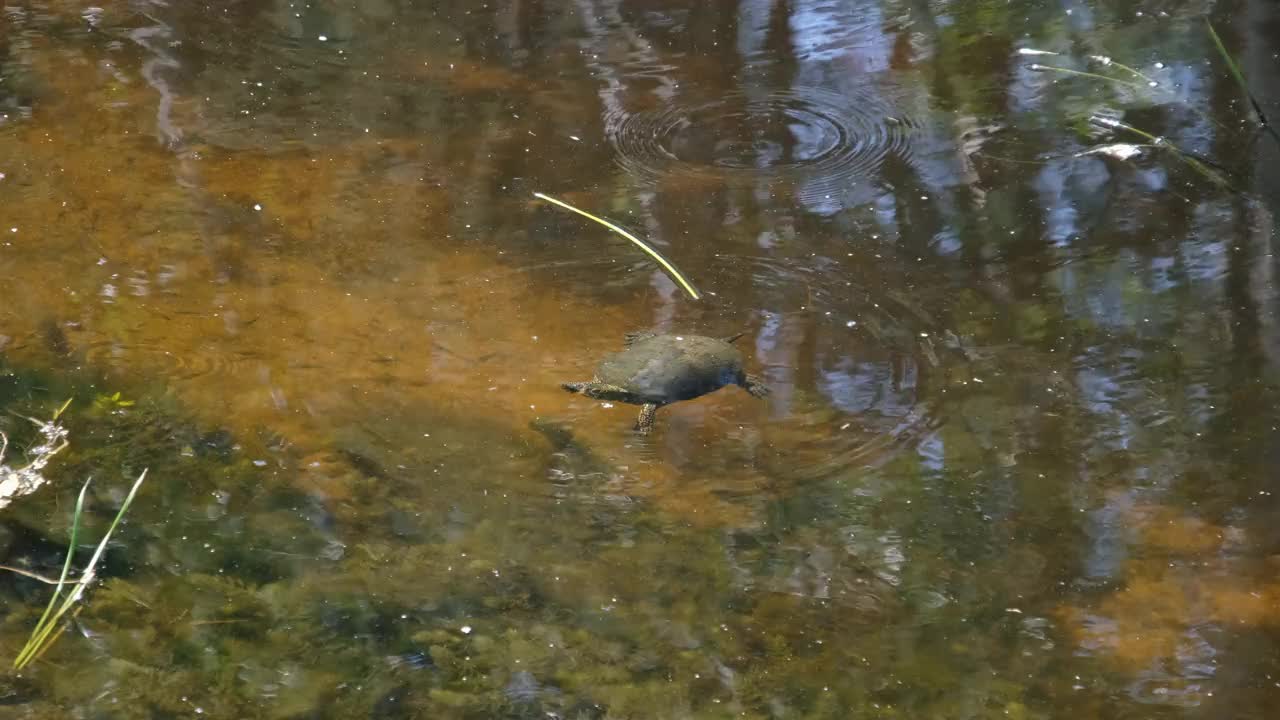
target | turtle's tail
[
  {"x": 575, "y": 387},
  {"x": 732, "y": 338}
]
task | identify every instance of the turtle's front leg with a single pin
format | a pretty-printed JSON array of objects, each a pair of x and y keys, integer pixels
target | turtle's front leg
[
  {"x": 598, "y": 390},
  {"x": 755, "y": 386},
  {"x": 644, "y": 424}
]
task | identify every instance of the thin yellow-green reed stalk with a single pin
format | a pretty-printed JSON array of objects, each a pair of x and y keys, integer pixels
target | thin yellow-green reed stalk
[{"x": 665, "y": 263}]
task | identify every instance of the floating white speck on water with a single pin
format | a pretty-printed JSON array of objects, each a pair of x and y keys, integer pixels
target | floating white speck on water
[
  {"x": 1033, "y": 51},
  {"x": 1119, "y": 151},
  {"x": 851, "y": 323},
  {"x": 466, "y": 629},
  {"x": 257, "y": 207},
  {"x": 324, "y": 38}
]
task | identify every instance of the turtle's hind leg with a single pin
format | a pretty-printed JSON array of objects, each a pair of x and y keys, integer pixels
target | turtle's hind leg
[
  {"x": 754, "y": 385},
  {"x": 632, "y": 338},
  {"x": 644, "y": 423}
]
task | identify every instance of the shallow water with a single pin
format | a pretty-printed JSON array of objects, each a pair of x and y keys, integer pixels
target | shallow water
[{"x": 1019, "y": 458}]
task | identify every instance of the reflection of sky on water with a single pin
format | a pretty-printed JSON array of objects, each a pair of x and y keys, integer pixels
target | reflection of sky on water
[
  {"x": 829, "y": 31},
  {"x": 856, "y": 387},
  {"x": 1110, "y": 537}
]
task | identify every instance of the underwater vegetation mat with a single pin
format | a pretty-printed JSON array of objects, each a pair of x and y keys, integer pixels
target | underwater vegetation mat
[{"x": 16, "y": 482}]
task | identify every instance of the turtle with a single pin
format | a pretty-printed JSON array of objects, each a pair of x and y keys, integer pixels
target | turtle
[{"x": 655, "y": 370}]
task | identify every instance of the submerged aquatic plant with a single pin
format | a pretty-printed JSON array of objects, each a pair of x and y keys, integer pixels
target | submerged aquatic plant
[
  {"x": 1125, "y": 151},
  {"x": 665, "y": 263},
  {"x": 43, "y": 635},
  {"x": 1038, "y": 67},
  {"x": 1147, "y": 86},
  {"x": 111, "y": 402},
  {"x": 1107, "y": 61},
  {"x": 1198, "y": 164}
]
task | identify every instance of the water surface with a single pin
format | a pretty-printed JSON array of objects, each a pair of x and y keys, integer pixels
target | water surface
[{"x": 1019, "y": 459}]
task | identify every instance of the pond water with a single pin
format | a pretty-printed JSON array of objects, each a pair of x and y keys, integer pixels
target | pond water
[{"x": 1019, "y": 458}]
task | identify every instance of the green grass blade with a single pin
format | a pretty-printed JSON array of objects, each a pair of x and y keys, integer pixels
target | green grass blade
[
  {"x": 43, "y": 626},
  {"x": 87, "y": 576},
  {"x": 62, "y": 409},
  {"x": 666, "y": 264},
  {"x": 62, "y": 628},
  {"x": 1231, "y": 63},
  {"x": 40, "y": 637},
  {"x": 1239, "y": 78}
]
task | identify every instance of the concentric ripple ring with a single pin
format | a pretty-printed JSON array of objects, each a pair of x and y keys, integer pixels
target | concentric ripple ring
[{"x": 823, "y": 138}]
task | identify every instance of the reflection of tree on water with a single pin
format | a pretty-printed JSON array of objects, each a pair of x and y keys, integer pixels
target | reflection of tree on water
[{"x": 1110, "y": 342}]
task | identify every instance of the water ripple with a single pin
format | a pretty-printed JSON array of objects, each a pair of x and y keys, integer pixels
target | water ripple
[
  {"x": 207, "y": 360},
  {"x": 854, "y": 366},
  {"x": 823, "y": 139}
]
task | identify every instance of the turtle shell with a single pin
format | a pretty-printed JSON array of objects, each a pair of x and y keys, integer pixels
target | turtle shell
[{"x": 662, "y": 369}]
